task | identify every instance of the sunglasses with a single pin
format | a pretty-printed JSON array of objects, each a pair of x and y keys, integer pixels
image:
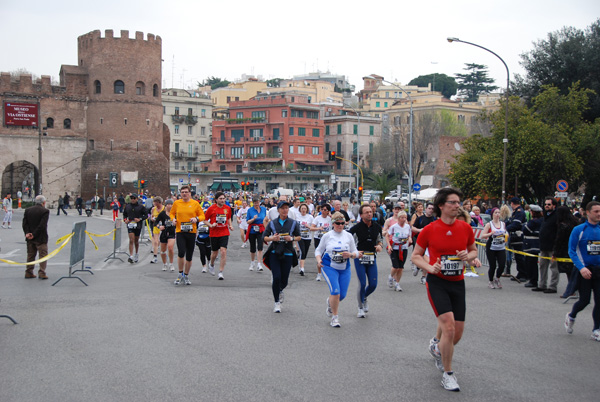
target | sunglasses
[{"x": 339, "y": 223}]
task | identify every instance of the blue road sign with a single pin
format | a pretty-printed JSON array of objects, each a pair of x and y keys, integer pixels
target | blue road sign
[
  {"x": 416, "y": 187},
  {"x": 181, "y": 180}
]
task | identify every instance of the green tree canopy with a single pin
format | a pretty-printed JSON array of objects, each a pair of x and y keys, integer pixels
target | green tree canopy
[
  {"x": 474, "y": 82},
  {"x": 439, "y": 82},
  {"x": 547, "y": 142},
  {"x": 563, "y": 58},
  {"x": 214, "y": 83},
  {"x": 385, "y": 182},
  {"x": 274, "y": 83}
]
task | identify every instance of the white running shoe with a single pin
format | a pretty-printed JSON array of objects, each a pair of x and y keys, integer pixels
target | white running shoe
[
  {"x": 328, "y": 311},
  {"x": 204, "y": 270},
  {"x": 492, "y": 285},
  {"x": 397, "y": 287},
  {"x": 423, "y": 280},
  {"x": 434, "y": 349},
  {"x": 390, "y": 281},
  {"x": 165, "y": 267},
  {"x": 361, "y": 313},
  {"x": 154, "y": 260},
  {"x": 281, "y": 296},
  {"x": 498, "y": 283},
  {"x": 415, "y": 270},
  {"x": 178, "y": 280},
  {"x": 318, "y": 279},
  {"x": 596, "y": 335},
  {"x": 366, "y": 306},
  {"x": 277, "y": 308},
  {"x": 260, "y": 267},
  {"x": 301, "y": 272},
  {"x": 172, "y": 267},
  {"x": 211, "y": 269},
  {"x": 244, "y": 245},
  {"x": 569, "y": 322},
  {"x": 130, "y": 260},
  {"x": 186, "y": 280},
  {"x": 221, "y": 276},
  {"x": 449, "y": 382},
  {"x": 251, "y": 268},
  {"x": 335, "y": 322},
  {"x": 136, "y": 257}
]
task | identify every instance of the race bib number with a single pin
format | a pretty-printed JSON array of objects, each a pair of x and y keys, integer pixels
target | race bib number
[
  {"x": 168, "y": 223},
  {"x": 254, "y": 229},
  {"x": 203, "y": 229},
  {"x": 281, "y": 236},
  {"x": 451, "y": 265},
  {"x": 186, "y": 226},
  {"x": 243, "y": 217},
  {"x": 337, "y": 256},
  {"x": 593, "y": 247},
  {"x": 221, "y": 219},
  {"x": 304, "y": 232},
  {"x": 132, "y": 225},
  {"x": 498, "y": 240},
  {"x": 367, "y": 258},
  {"x": 322, "y": 231}
]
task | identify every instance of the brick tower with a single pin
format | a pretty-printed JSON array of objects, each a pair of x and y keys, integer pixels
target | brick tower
[{"x": 124, "y": 112}]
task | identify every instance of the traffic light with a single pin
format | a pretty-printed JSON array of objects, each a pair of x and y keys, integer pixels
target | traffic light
[
  {"x": 243, "y": 184},
  {"x": 135, "y": 184},
  {"x": 331, "y": 155},
  {"x": 360, "y": 191},
  {"x": 143, "y": 183}
]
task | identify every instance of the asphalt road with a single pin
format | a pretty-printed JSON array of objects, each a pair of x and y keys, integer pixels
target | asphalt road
[{"x": 131, "y": 335}]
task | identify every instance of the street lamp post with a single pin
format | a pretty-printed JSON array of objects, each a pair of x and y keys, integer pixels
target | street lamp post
[
  {"x": 410, "y": 140},
  {"x": 505, "y": 140},
  {"x": 357, "y": 147}
]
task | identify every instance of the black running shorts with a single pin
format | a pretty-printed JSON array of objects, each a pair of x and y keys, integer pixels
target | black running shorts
[{"x": 447, "y": 296}]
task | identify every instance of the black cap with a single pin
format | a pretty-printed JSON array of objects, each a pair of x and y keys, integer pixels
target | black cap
[
  {"x": 515, "y": 200},
  {"x": 133, "y": 196},
  {"x": 282, "y": 203}
]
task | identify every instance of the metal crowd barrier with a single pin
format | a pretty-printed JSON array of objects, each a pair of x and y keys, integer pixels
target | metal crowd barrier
[
  {"x": 117, "y": 242},
  {"x": 77, "y": 253}
]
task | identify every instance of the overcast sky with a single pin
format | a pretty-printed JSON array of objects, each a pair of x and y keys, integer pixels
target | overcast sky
[{"x": 397, "y": 39}]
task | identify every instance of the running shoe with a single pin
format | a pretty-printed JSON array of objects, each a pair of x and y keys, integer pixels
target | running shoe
[
  {"x": 165, "y": 267},
  {"x": 251, "y": 266},
  {"x": 136, "y": 257},
  {"x": 204, "y": 270},
  {"x": 335, "y": 322},
  {"x": 178, "y": 280},
  {"x": 390, "y": 281},
  {"x": 366, "y": 306},
  {"x": 439, "y": 365},
  {"x": 397, "y": 287},
  {"x": 211, "y": 269},
  {"x": 449, "y": 382},
  {"x": 318, "y": 279},
  {"x": 569, "y": 322},
  {"x": 186, "y": 280},
  {"x": 497, "y": 283},
  {"x": 596, "y": 335},
  {"x": 301, "y": 272},
  {"x": 434, "y": 350},
  {"x": 492, "y": 285},
  {"x": 423, "y": 280},
  {"x": 277, "y": 308},
  {"x": 281, "y": 296},
  {"x": 244, "y": 245},
  {"x": 221, "y": 276},
  {"x": 260, "y": 267},
  {"x": 415, "y": 270},
  {"x": 130, "y": 260},
  {"x": 154, "y": 260},
  {"x": 361, "y": 313},
  {"x": 328, "y": 311},
  {"x": 172, "y": 267}
]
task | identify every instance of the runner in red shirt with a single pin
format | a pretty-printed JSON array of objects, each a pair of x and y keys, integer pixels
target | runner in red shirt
[
  {"x": 219, "y": 218},
  {"x": 449, "y": 242}
]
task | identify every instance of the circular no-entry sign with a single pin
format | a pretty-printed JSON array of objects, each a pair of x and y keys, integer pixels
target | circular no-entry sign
[{"x": 562, "y": 185}]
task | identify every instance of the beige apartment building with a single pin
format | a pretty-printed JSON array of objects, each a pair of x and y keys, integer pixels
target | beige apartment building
[
  {"x": 317, "y": 91},
  {"x": 235, "y": 92}
]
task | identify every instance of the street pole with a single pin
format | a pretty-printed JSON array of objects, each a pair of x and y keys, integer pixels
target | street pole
[
  {"x": 357, "y": 148},
  {"x": 410, "y": 140},
  {"x": 39, "y": 190},
  {"x": 505, "y": 140}
]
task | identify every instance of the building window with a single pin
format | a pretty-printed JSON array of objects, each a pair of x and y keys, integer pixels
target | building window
[
  {"x": 338, "y": 164},
  {"x": 202, "y": 130},
  {"x": 203, "y": 113},
  {"x": 237, "y": 98},
  {"x": 291, "y": 149},
  {"x": 155, "y": 90},
  {"x": 176, "y": 111},
  {"x": 237, "y": 135},
  {"x": 101, "y": 120},
  {"x": 223, "y": 135},
  {"x": 326, "y": 130},
  {"x": 284, "y": 113},
  {"x": 385, "y": 104},
  {"x": 309, "y": 99},
  {"x": 339, "y": 128},
  {"x": 140, "y": 88},
  {"x": 315, "y": 150},
  {"x": 119, "y": 87},
  {"x": 239, "y": 115},
  {"x": 256, "y": 151},
  {"x": 370, "y": 148},
  {"x": 189, "y": 130},
  {"x": 228, "y": 99},
  {"x": 326, "y": 147},
  {"x": 176, "y": 147},
  {"x": 164, "y": 110},
  {"x": 237, "y": 152},
  {"x": 189, "y": 166},
  {"x": 316, "y": 132},
  {"x": 339, "y": 147},
  {"x": 67, "y": 124},
  {"x": 297, "y": 113},
  {"x": 91, "y": 145},
  {"x": 387, "y": 94},
  {"x": 355, "y": 129},
  {"x": 203, "y": 148},
  {"x": 275, "y": 133},
  {"x": 260, "y": 114},
  {"x": 176, "y": 128},
  {"x": 190, "y": 111},
  {"x": 97, "y": 87},
  {"x": 377, "y": 104},
  {"x": 301, "y": 132},
  {"x": 50, "y": 122},
  {"x": 354, "y": 148},
  {"x": 301, "y": 149},
  {"x": 371, "y": 130},
  {"x": 291, "y": 131},
  {"x": 190, "y": 149},
  {"x": 256, "y": 133},
  {"x": 176, "y": 165}
]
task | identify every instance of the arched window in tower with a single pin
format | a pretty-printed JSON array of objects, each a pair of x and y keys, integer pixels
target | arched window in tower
[
  {"x": 97, "y": 87},
  {"x": 119, "y": 87},
  {"x": 67, "y": 124},
  {"x": 155, "y": 90},
  {"x": 140, "y": 88},
  {"x": 50, "y": 122}
]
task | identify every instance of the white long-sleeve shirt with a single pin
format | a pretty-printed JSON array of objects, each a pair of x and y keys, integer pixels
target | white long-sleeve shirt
[{"x": 334, "y": 244}]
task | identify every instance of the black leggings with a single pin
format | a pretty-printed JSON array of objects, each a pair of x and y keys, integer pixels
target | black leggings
[
  {"x": 185, "y": 245},
  {"x": 585, "y": 293},
  {"x": 497, "y": 260},
  {"x": 281, "y": 273},
  {"x": 204, "y": 247},
  {"x": 256, "y": 242},
  {"x": 304, "y": 247}
]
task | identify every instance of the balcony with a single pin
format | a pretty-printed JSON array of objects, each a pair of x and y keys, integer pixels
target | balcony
[
  {"x": 177, "y": 119},
  {"x": 247, "y": 120},
  {"x": 191, "y": 120},
  {"x": 184, "y": 155}
]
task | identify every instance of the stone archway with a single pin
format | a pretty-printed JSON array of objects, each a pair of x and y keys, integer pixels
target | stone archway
[{"x": 20, "y": 176}]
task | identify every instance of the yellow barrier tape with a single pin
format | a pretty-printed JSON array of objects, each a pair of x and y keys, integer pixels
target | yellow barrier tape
[
  {"x": 148, "y": 227},
  {"x": 531, "y": 255},
  {"x": 67, "y": 239},
  {"x": 97, "y": 235}
]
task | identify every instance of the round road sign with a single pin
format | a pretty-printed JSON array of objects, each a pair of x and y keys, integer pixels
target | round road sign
[{"x": 562, "y": 185}]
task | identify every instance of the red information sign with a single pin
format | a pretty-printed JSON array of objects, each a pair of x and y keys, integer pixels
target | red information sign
[{"x": 20, "y": 114}]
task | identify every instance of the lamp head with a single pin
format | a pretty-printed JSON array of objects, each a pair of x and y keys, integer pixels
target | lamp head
[{"x": 452, "y": 39}]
